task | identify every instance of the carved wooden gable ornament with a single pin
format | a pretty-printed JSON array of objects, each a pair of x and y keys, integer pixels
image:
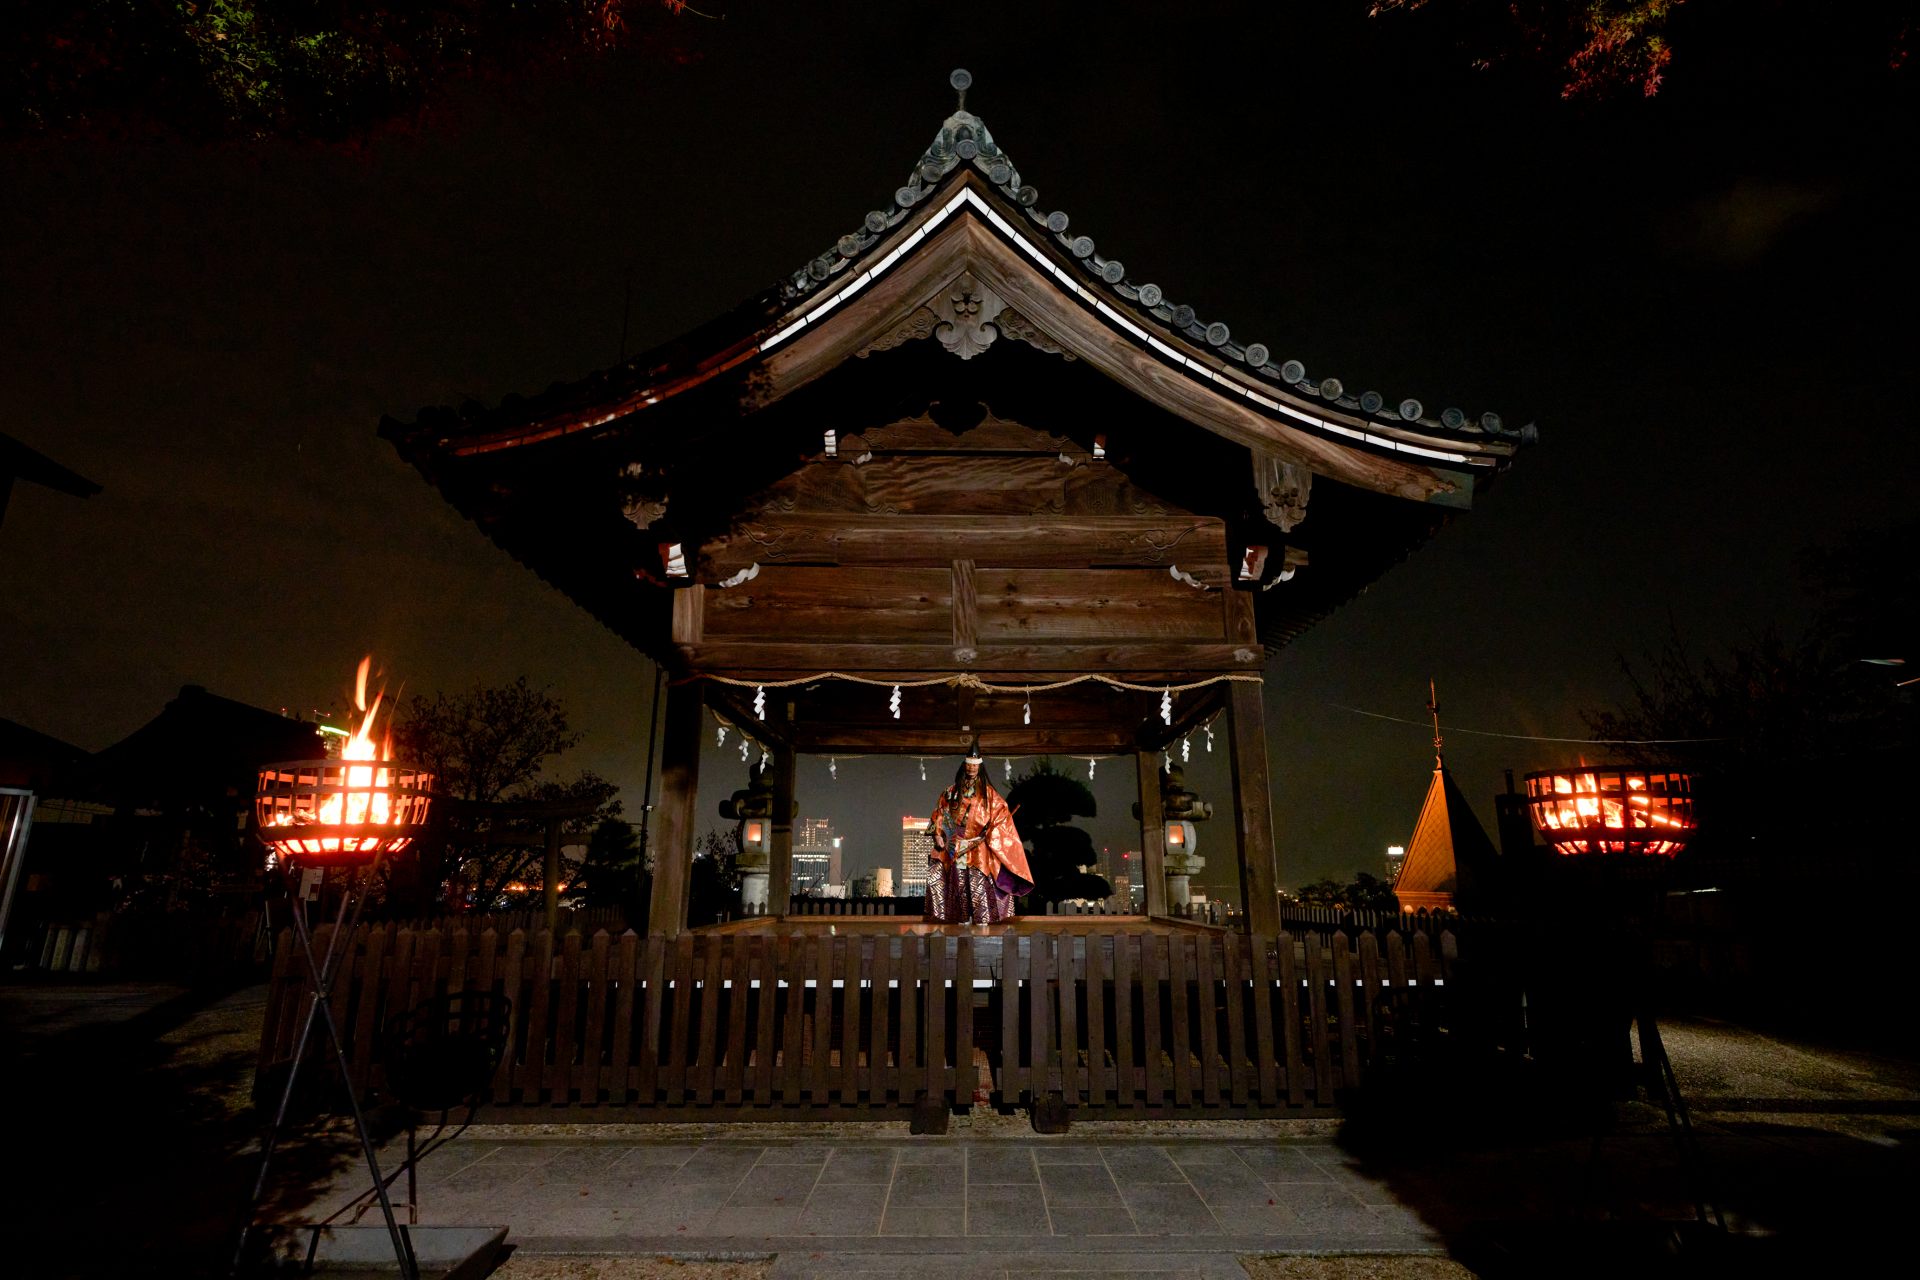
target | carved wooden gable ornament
[{"x": 678, "y": 455}]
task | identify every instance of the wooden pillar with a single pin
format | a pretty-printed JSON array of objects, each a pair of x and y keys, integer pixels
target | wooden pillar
[
  {"x": 550, "y": 875},
  {"x": 1253, "y": 807},
  {"x": 1153, "y": 834},
  {"x": 674, "y": 817},
  {"x": 780, "y": 874}
]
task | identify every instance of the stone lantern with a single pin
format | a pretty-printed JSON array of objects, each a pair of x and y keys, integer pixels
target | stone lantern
[
  {"x": 752, "y": 809},
  {"x": 1181, "y": 809}
]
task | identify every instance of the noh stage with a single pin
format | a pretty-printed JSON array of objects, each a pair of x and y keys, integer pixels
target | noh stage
[{"x": 962, "y": 475}]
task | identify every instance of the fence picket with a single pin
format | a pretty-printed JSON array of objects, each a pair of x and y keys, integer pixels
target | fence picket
[
  {"x": 1153, "y": 981},
  {"x": 1260, "y": 965},
  {"x": 1177, "y": 971},
  {"x": 762, "y": 973},
  {"x": 1369, "y": 995},
  {"x": 652, "y": 1017},
  {"x": 673, "y": 1074},
  {"x": 505, "y": 1080},
  {"x": 1319, "y": 1041},
  {"x": 1343, "y": 1010},
  {"x": 818, "y": 1075},
  {"x": 624, "y": 973},
  {"x": 593, "y": 1038},
  {"x": 850, "y": 965},
  {"x": 1096, "y": 975},
  {"x": 1067, "y": 989},
  {"x": 906, "y": 1066},
  {"x": 739, "y": 995},
  {"x": 1206, "y": 1005},
  {"x": 704, "y": 1079},
  {"x": 1127, "y": 1058},
  {"x": 934, "y": 1007},
  {"x": 792, "y": 955},
  {"x": 560, "y": 1073},
  {"x": 1290, "y": 1028},
  {"x": 363, "y": 972},
  {"x": 965, "y": 1076},
  {"x": 1233, "y": 984},
  {"x": 1013, "y": 1074}
]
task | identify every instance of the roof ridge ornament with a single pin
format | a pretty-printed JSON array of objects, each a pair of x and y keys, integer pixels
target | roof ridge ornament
[{"x": 962, "y": 80}]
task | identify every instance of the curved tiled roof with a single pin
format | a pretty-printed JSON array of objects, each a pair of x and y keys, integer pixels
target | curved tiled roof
[{"x": 964, "y": 139}]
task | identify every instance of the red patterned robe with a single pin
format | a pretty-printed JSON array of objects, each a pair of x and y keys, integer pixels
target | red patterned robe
[{"x": 977, "y": 884}]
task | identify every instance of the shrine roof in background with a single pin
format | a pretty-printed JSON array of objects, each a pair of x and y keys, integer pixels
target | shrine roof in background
[{"x": 961, "y": 330}]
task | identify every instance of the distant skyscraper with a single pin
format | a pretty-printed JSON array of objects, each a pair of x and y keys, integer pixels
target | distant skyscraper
[
  {"x": 1396, "y": 857},
  {"x": 813, "y": 854},
  {"x": 1122, "y": 893},
  {"x": 916, "y": 843}
]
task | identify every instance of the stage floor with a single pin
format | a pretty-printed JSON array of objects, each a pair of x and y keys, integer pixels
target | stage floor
[{"x": 894, "y": 926}]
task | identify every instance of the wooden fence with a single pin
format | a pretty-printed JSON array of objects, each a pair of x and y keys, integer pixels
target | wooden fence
[
  {"x": 1329, "y": 920},
  {"x": 720, "y": 1026}
]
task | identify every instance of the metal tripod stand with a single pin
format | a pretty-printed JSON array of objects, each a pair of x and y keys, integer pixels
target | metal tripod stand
[
  {"x": 1654, "y": 1071},
  {"x": 322, "y": 976}
]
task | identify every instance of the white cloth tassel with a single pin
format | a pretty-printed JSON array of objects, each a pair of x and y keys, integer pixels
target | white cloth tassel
[
  {"x": 1186, "y": 749},
  {"x": 1166, "y": 760},
  {"x": 1026, "y": 712},
  {"x": 1089, "y": 769},
  {"x": 923, "y": 771},
  {"x": 893, "y": 703},
  {"x": 1166, "y": 707},
  {"x": 760, "y": 701},
  {"x": 720, "y": 737},
  {"x": 1209, "y": 739},
  {"x": 1008, "y": 766},
  {"x": 833, "y": 768},
  {"x": 765, "y": 759},
  {"x": 743, "y": 750}
]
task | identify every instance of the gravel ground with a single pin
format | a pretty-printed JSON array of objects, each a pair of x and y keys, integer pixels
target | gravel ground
[
  {"x": 581, "y": 1268},
  {"x": 1362, "y": 1267}
]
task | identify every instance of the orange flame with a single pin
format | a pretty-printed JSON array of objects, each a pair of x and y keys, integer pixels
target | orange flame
[{"x": 364, "y": 798}]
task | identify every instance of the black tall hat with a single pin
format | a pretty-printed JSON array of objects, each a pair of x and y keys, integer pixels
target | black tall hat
[{"x": 973, "y": 751}]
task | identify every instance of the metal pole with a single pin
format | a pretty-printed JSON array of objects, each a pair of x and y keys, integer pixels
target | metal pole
[
  {"x": 402, "y": 1246},
  {"x": 653, "y": 731},
  {"x": 272, "y": 1139},
  {"x": 337, "y": 949}
]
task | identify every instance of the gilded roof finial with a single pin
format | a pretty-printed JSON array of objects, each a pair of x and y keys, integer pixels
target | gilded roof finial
[
  {"x": 961, "y": 79},
  {"x": 1433, "y": 708}
]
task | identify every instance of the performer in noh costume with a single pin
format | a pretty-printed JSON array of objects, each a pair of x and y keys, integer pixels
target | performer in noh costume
[{"x": 978, "y": 865}]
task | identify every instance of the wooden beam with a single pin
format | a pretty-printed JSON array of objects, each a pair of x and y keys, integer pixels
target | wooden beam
[
  {"x": 674, "y": 816},
  {"x": 689, "y": 608},
  {"x": 939, "y": 740},
  {"x": 966, "y": 606},
  {"x": 737, "y": 705},
  {"x": 780, "y": 876},
  {"x": 1190, "y": 710},
  {"x": 1253, "y": 808},
  {"x": 1196, "y": 543},
  {"x": 1153, "y": 833},
  {"x": 1146, "y": 663}
]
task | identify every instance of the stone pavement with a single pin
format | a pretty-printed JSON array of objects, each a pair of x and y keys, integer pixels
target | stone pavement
[{"x": 946, "y": 1206}]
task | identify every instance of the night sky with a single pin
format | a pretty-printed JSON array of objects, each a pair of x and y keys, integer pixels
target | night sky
[{"x": 1705, "y": 300}]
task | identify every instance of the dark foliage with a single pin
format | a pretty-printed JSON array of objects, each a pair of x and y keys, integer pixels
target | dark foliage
[
  {"x": 1608, "y": 49},
  {"x": 1364, "y": 892},
  {"x": 301, "y": 69},
  {"x": 1044, "y": 801}
]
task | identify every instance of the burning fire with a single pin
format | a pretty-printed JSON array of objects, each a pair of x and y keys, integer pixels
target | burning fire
[
  {"x": 1580, "y": 811},
  {"x": 348, "y": 796},
  {"x": 366, "y": 798}
]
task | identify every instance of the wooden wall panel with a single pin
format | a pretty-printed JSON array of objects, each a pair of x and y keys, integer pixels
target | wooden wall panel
[
  {"x": 855, "y": 604},
  {"x": 1092, "y": 604}
]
